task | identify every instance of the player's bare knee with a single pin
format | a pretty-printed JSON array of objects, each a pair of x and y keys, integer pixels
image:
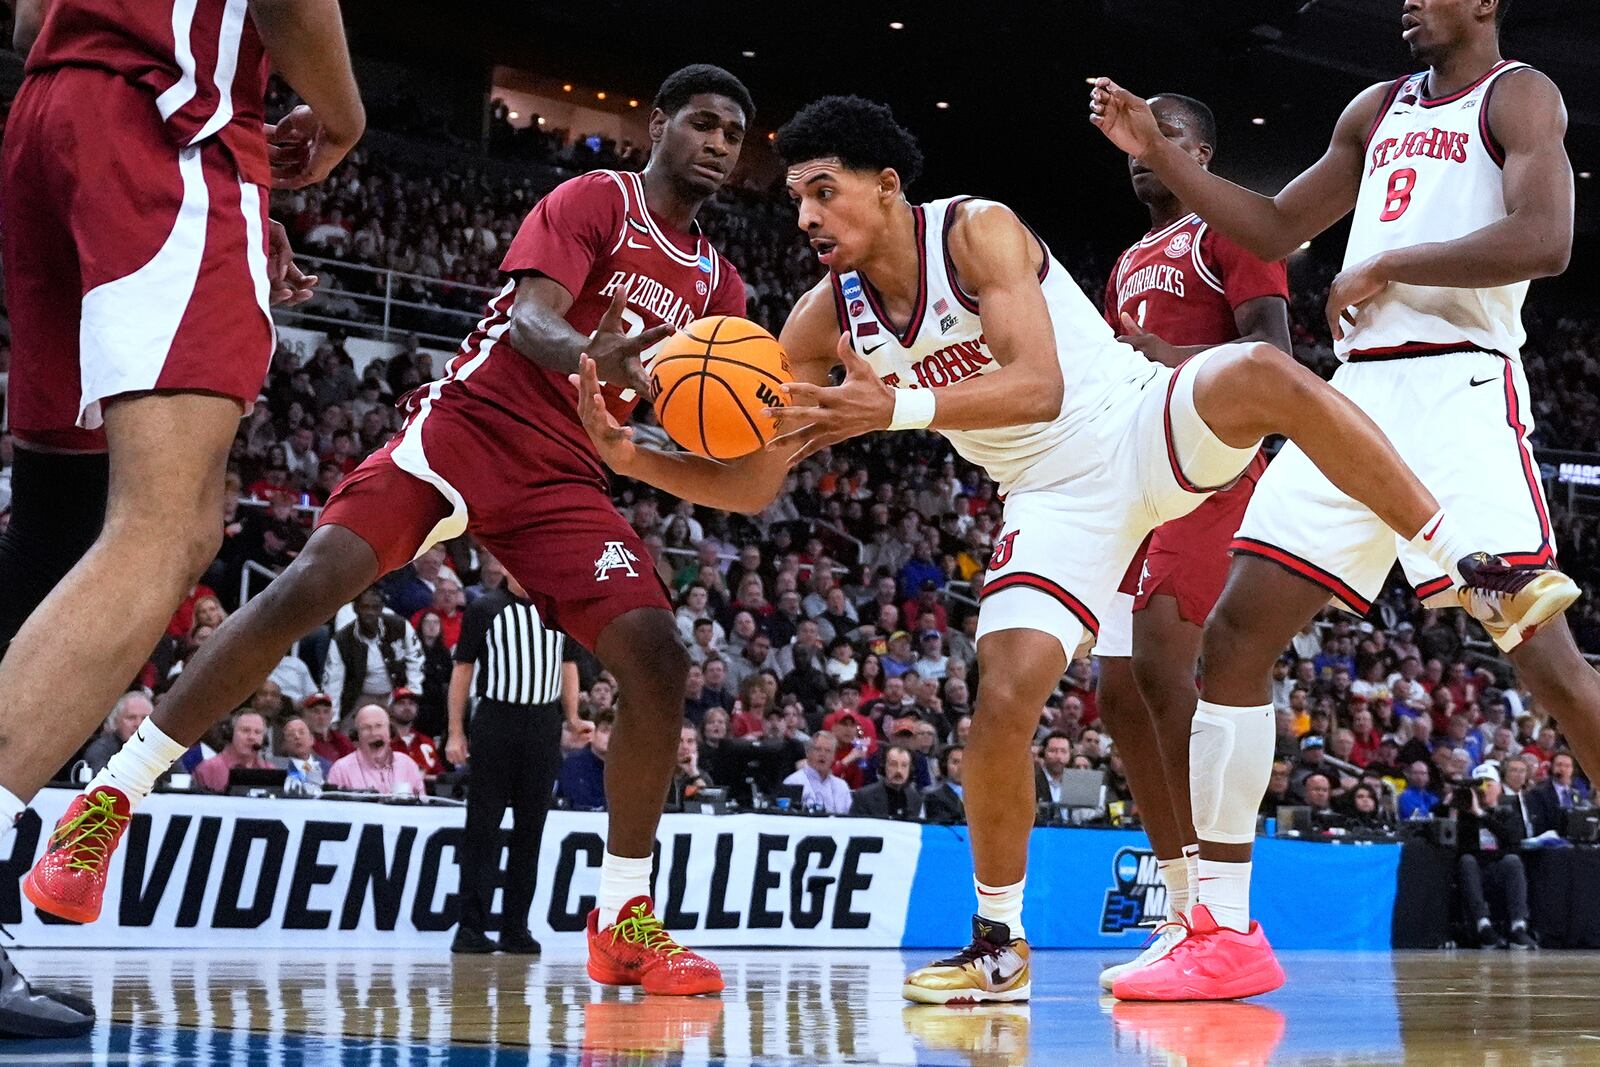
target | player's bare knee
[
  {"x": 1230, "y": 642},
  {"x": 1005, "y": 707}
]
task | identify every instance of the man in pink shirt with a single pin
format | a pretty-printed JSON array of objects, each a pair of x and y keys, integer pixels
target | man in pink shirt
[
  {"x": 245, "y": 749},
  {"x": 373, "y": 764}
]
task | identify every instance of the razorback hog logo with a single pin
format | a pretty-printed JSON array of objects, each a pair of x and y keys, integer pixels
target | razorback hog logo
[{"x": 1002, "y": 551}]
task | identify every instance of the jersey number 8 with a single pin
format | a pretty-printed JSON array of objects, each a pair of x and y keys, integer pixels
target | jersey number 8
[{"x": 1402, "y": 183}]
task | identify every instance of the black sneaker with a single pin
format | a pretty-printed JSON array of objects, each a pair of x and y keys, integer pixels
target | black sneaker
[
  {"x": 26, "y": 1012},
  {"x": 471, "y": 942},
  {"x": 1521, "y": 939},
  {"x": 1489, "y": 937},
  {"x": 519, "y": 943}
]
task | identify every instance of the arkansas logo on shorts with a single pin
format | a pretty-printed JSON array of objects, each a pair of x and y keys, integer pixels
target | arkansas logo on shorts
[{"x": 615, "y": 557}]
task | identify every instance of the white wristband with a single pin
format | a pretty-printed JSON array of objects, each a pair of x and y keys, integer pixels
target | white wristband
[{"x": 913, "y": 409}]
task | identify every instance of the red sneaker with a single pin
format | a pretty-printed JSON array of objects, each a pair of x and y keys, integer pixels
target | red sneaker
[
  {"x": 70, "y": 878},
  {"x": 1212, "y": 963},
  {"x": 1204, "y": 1035},
  {"x": 637, "y": 950}
]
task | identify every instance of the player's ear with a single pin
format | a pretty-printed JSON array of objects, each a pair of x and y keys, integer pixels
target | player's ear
[
  {"x": 888, "y": 183},
  {"x": 658, "y": 125},
  {"x": 1203, "y": 153}
]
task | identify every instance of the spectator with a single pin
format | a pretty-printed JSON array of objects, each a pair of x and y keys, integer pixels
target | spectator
[
  {"x": 704, "y": 644},
  {"x": 1366, "y": 812},
  {"x": 1514, "y": 796},
  {"x": 1318, "y": 793},
  {"x": 1551, "y": 799},
  {"x": 582, "y": 783},
  {"x": 820, "y": 788},
  {"x": 491, "y": 576},
  {"x": 688, "y": 779},
  {"x": 130, "y": 710},
  {"x": 373, "y": 766},
  {"x": 423, "y": 749},
  {"x": 1417, "y": 801},
  {"x": 244, "y": 751},
  {"x": 372, "y": 656},
  {"x": 1312, "y": 755},
  {"x": 1487, "y": 846},
  {"x": 775, "y": 735},
  {"x": 448, "y": 600},
  {"x": 756, "y": 656},
  {"x": 437, "y": 663},
  {"x": 931, "y": 660},
  {"x": 892, "y": 796},
  {"x": 1277, "y": 794},
  {"x": 297, "y": 753},
  {"x": 411, "y": 588},
  {"x": 293, "y": 678},
  {"x": 717, "y": 692},
  {"x": 752, "y": 708},
  {"x": 713, "y": 733},
  {"x": 899, "y": 661},
  {"x": 326, "y": 741},
  {"x": 856, "y": 745},
  {"x": 696, "y": 605},
  {"x": 945, "y": 803},
  {"x": 1049, "y": 774}
]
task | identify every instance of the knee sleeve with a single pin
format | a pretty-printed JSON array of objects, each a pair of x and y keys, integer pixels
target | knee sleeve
[
  {"x": 1230, "y": 765},
  {"x": 58, "y": 502}
]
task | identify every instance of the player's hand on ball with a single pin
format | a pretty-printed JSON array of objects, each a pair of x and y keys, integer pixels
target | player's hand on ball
[
  {"x": 289, "y": 284},
  {"x": 612, "y": 440},
  {"x": 617, "y": 355},
  {"x": 1124, "y": 118},
  {"x": 1148, "y": 343},
  {"x": 1350, "y": 290},
  {"x": 819, "y": 417}
]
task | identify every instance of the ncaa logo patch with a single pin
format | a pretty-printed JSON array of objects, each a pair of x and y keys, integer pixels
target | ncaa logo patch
[
  {"x": 1137, "y": 895},
  {"x": 1178, "y": 247},
  {"x": 705, "y": 264},
  {"x": 851, "y": 287}
]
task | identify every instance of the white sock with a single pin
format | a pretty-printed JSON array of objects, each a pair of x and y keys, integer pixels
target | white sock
[
  {"x": 143, "y": 758},
  {"x": 621, "y": 879},
  {"x": 11, "y": 809},
  {"x": 1224, "y": 888},
  {"x": 1444, "y": 543},
  {"x": 1175, "y": 873},
  {"x": 1002, "y": 904},
  {"x": 1191, "y": 862}
]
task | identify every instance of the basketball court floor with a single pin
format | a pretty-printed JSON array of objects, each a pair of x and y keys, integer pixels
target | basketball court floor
[{"x": 318, "y": 1005}]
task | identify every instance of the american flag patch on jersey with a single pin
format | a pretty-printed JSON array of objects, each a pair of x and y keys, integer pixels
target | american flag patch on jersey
[{"x": 940, "y": 306}]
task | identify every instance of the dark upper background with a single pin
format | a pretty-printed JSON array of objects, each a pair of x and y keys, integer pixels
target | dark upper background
[{"x": 1016, "y": 127}]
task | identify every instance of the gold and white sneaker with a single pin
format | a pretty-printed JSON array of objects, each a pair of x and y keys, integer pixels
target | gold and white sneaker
[
  {"x": 994, "y": 968},
  {"x": 1166, "y": 938},
  {"x": 1512, "y": 602},
  {"x": 987, "y": 1035}
]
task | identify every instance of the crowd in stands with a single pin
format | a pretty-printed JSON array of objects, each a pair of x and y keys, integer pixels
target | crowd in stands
[{"x": 832, "y": 634}]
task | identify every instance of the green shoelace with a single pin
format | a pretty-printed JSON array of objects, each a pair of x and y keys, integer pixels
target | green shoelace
[
  {"x": 642, "y": 928},
  {"x": 90, "y": 834}
]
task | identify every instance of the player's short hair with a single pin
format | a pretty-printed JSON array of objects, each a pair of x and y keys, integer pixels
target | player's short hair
[
  {"x": 697, "y": 78},
  {"x": 861, "y": 133},
  {"x": 1203, "y": 120}
]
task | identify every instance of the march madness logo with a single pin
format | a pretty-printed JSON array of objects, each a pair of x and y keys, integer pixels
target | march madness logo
[
  {"x": 616, "y": 556},
  {"x": 1137, "y": 896}
]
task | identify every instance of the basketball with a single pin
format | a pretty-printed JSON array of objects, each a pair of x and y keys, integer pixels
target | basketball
[{"x": 712, "y": 379}]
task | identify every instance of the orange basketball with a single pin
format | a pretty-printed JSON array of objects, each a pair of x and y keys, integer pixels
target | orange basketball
[{"x": 712, "y": 379}]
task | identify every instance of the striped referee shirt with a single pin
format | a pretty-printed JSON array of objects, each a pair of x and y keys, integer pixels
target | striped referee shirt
[{"x": 518, "y": 657}]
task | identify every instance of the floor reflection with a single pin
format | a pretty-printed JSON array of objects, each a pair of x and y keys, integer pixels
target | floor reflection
[{"x": 279, "y": 1008}]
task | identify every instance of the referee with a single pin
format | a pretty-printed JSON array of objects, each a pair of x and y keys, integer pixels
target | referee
[{"x": 525, "y": 676}]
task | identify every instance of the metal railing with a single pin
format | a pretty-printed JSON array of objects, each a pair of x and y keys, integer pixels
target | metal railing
[{"x": 385, "y": 308}]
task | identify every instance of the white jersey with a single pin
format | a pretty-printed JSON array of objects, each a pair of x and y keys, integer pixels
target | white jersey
[
  {"x": 1433, "y": 173},
  {"x": 943, "y": 344}
]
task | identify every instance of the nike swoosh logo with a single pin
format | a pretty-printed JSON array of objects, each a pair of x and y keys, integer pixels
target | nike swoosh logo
[
  {"x": 1429, "y": 535},
  {"x": 874, "y": 348},
  {"x": 998, "y": 978},
  {"x": 635, "y": 244},
  {"x": 1485, "y": 381}
]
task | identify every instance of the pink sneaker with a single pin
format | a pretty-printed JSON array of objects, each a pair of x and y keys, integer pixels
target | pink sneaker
[{"x": 1212, "y": 963}]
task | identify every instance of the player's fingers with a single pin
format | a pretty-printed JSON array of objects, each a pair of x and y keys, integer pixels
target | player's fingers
[
  {"x": 654, "y": 335},
  {"x": 854, "y": 365},
  {"x": 612, "y": 319},
  {"x": 802, "y": 394},
  {"x": 1129, "y": 324}
]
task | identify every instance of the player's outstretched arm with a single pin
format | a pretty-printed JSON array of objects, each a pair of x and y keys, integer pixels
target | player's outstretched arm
[
  {"x": 1534, "y": 240},
  {"x": 1269, "y": 226},
  {"x": 745, "y": 485},
  {"x": 305, "y": 40}
]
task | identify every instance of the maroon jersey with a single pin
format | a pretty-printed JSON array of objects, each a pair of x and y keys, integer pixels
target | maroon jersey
[
  {"x": 1182, "y": 283},
  {"x": 201, "y": 60},
  {"x": 592, "y": 234}
]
